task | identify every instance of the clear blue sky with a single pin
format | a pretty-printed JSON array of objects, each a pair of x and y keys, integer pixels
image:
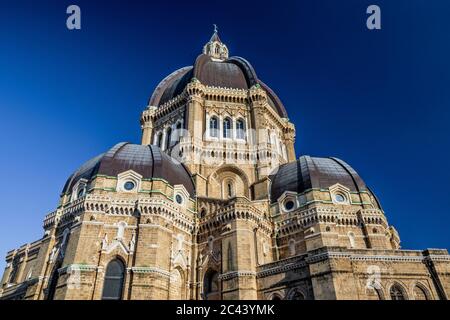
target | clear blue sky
[{"x": 377, "y": 99}]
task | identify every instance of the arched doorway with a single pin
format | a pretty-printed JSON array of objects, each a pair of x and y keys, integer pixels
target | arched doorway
[
  {"x": 177, "y": 288},
  {"x": 211, "y": 285},
  {"x": 114, "y": 280}
]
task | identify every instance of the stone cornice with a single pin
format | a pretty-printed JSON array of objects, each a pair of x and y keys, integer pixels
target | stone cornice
[
  {"x": 156, "y": 270},
  {"x": 440, "y": 258},
  {"x": 298, "y": 262},
  {"x": 235, "y": 210},
  {"x": 282, "y": 268},
  {"x": 78, "y": 267},
  {"x": 299, "y": 220},
  {"x": 234, "y": 274},
  {"x": 110, "y": 205}
]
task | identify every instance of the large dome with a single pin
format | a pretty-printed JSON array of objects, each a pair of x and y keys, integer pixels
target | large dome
[
  {"x": 147, "y": 160},
  {"x": 314, "y": 173},
  {"x": 233, "y": 72}
]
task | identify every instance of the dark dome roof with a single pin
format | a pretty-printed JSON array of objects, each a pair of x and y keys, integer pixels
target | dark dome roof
[
  {"x": 235, "y": 72},
  {"x": 308, "y": 172},
  {"x": 147, "y": 160}
]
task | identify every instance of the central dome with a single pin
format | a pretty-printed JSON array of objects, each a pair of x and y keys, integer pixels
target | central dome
[{"x": 232, "y": 73}]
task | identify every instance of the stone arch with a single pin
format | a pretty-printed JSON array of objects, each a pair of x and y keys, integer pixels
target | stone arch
[
  {"x": 420, "y": 292},
  {"x": 177, "y": 284},
  {"x": 228, "y": 173},
  {"x": 53, "y": 282},
  {"x": 296, "y": 294},
  {"x": 397, "y": 291},
  {"x": 380, "y": 294},
  {"x": 275, "y": 296},
  {"x": 211, "y": 285},
  {"x": 114, "y": 280}
]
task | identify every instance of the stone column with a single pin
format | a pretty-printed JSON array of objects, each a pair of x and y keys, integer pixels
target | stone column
[
  {"x": 240, "y": 282},
  {"x": 258, "y": 102},
  {"x": 289, "y": 140},
  {"x": 147, "y": 124},
  {"x": 195, "y": 119}
]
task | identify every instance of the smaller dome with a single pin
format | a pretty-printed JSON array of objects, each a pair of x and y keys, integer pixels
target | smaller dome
[
  {"x": 147, "y": 160},
  {"x": 313, "y": 173}
]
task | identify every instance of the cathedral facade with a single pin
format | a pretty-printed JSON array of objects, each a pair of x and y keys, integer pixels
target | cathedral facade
[{"x": 214, "y": 204}]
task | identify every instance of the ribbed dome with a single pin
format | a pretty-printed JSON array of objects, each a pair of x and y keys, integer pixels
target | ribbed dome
[
  {"x": 235, "y": 72},
  {"x": 308, "y": 173},
  {"x": 147, "y": 160}
]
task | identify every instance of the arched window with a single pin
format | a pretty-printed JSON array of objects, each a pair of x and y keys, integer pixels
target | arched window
[
  {"x": 296, "y": 294},
  {"x": 179, "y": 131},
  {"x": 230, "y": 189},
  {"x": 230, "y": 258},
  {"x": 227, "y": 128},
  {"x": 211, "y": 285},
  {"x": 214, "y": 127},
  {"x": 396, "y": 293},
  {"x": 81, "y": 191},
  {"x": 420, "y": 294},
  {"x": 159, "y": 140},
  {"x": 53, "y": 282},
  {"x": 168, "y": 137},
  {"x": 202, "y": 213},
  {"x": 240, "y": 129},
  {"x": 276, "y": 297},
  {"x": 113, "y": 284}
]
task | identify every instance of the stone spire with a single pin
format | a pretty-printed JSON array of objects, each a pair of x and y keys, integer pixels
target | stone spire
[{"x": 215, "y": 48}]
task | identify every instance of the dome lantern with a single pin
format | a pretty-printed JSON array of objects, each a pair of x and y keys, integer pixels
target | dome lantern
[{"x": 215, "y": 48}]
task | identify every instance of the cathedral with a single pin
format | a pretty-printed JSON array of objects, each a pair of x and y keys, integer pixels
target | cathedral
[{"x": 215, "y": 205}]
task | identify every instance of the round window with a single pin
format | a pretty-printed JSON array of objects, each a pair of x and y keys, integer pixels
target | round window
[
  {"x": 339, "y": 198},
  {"x": 289, "y": 205},
  {"x": 179, "y": 199},
  {"x": 129, "y": 185}
]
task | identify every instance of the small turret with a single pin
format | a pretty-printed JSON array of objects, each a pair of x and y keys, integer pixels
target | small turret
[{"x": 215, "y": 47}]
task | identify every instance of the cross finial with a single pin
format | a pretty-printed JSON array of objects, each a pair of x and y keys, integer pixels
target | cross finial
[{"x": 216, "y": 29}]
